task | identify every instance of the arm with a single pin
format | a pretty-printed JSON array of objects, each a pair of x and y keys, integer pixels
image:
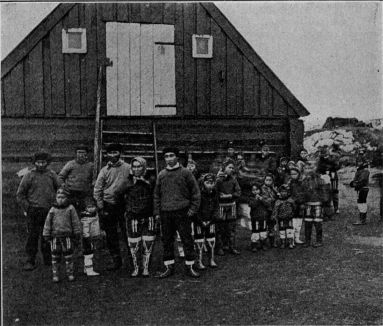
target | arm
[
  {"x": 56, "y": 181},
  {"x": 63, "y": 175},
  {"x": 47, "y": 231},
  {"x": 274, "y": 214},
  {"x": 98, "y": 192},
  {"x": 75, "y": 222},
  {"x": 195, "y": 194},
  {"x": 237, "y": 190},
  {"x": 22, "y": 192},
  {"x": 157, "y": 196}
]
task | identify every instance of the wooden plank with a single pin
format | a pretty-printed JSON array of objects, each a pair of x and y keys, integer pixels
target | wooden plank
[
  {"x": 279, "y": 105},
  {"x": 111, "y": 71},
  {"x": 218, "y": 72},
  {"x": 253, "y": 57},
  {"x": 123, "y": 12},
  {"x": 47, "y": 88},
  {"x": 179, "y": 57},
  {"x": 91, "y": 59},
  {"x": 2, "y": 102},
  {"x": 83, "y": 63},
  {"x": 135, "y": 12},
  {"x": 34, "y": 87},
  {"x": 135, "y": 69},
  {"x": 146, "y": 12},
  {"x": 14, "y": 91},
  {"x": 257, "y": 92},
  {"x": 169, "y": 12},
  {"x": 34, "y": 37},
  {"x": 101, "y": 55},
  {"x": 123, "y": 71},
  {"x": 147, "y": 73},
  {"x": 203, "y": 66},
  {"x": 266, "y": 106},
  {"x": 72, "y": 70},
  {"x": 157, "y": 13},
  {"x": 109, "y": 12},
  {"x": 234, "y": 80},
  {"x": 249, "y": 102},
  {"x": 190, "y": 79},
  {"x": 57, "y": 71}
]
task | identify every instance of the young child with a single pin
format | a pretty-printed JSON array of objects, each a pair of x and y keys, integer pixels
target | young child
[
  {"x": 61, "y": 228},
  {"x": 204, "y": 224},
  {"x": 297, "y": 194},
  {"x": 259, "y": 212},
  {"x": 90, "y": 232},
  {"x": 282, "y": 172},
  {"x": 270, "y": 194},
  {"x": 315, "y": 194},
  {"x": 283, "y": 213},
  {"x": 360, "y": 184},
  {"x": 229, "y": 191},
  {"x": 36, "y": 195}
]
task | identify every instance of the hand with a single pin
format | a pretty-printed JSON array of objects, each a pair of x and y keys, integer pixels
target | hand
[{"x": 190, "y": 213}]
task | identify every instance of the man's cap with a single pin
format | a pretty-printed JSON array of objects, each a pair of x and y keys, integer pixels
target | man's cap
[
  {"x": 63, "y": 191},
  {"x": 82, "y": 147},
  {"x": 171, "y": 149},
  {"x": 114, "y": 147},
  {"x": 42, "y": 156},
  {"x": 209, "y": 177}
]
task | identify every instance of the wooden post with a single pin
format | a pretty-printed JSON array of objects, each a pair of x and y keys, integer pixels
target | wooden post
[
  {"x": 155, "y": 146},
  {"x": 97, "y": 129}
]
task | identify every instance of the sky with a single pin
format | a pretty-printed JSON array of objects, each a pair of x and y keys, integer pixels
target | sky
[{"x": 329, "y": 54}]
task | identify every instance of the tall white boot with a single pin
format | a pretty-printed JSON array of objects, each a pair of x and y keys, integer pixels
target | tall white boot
[
  {"x": 88, "y": 266},
  {"x": 297, "y": 225}
]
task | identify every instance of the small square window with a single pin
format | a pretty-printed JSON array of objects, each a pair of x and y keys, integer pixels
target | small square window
[
  {"x": 74, "y": 40},
  {"x": 202, "y": 46}
]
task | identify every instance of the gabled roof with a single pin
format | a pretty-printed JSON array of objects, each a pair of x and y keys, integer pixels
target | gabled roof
[{"x": 61, "y": 10}]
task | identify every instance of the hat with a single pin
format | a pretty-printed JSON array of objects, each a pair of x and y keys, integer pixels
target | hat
[
  {"x": 41, "y": 156},
  {"x": 265, "y": 147},
  {"x": 63, "y": 191},
  {"x": 114, "y": 147},
  {"x": 82, "y": 147},
  {"x": 226, "y": 163},
  {"x": 208, "y": 177},
  {"x": 174, "y": 150}
]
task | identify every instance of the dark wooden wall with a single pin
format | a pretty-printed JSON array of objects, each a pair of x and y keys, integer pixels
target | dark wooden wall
[{"x": 48, "y": 83}]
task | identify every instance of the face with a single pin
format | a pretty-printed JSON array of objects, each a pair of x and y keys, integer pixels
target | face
[
  {"x": 255, "y": 190},
  {"x": 114, "y": 156},
  {"x": 269, "y": 181},
  {"x": 265, "y": 151},
  {"x": 81, "y": 155},
  {"x": 291, "y": 165},
  {"x": 303, "y": 154},
  {"x": 41, "y": 165},
  {"x": 137, "y": 169},
  {"x": 191, "y": 167},
  {"x": 91, "y": 209},
  {"x": 61, "y": 199},
  {"x": 294, "y": 175},
  {"x": 230, "y": 152},
  {"x": 308, "y": 169},
  {"x": 171, "y": 159},
  {"x": 283, "y": 163},
  {"x": 208, "y": 184},
  {"x": 284, "y": 194},
  {"x": 229, "y": 170}
]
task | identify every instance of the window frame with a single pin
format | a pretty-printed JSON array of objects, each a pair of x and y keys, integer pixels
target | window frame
[
  {"x": 209, "y": 45},
  {"x": 65, "y": 40}
]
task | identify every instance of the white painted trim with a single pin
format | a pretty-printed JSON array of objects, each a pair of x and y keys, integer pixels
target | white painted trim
[
  {"x": 209, "y": 46},
  {"x": 65, "y": 41}
]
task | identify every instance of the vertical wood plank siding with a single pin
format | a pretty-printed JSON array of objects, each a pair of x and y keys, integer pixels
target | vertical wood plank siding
[{"x": 49, "y": 83}]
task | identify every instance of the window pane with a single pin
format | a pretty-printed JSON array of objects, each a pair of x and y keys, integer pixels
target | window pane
[
  {"x": 202, "y": 45},
  {"x": 74, "y": 40}
]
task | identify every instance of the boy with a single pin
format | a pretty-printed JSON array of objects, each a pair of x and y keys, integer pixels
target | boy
[
  {"x": 138, "y": 195},
  {"x": 270, "y": 194},
  {"x": 204, "y": 224},
  {"x": 282, "y": 172},
  {"x": 107, "y": 193},
  {"x": 176, "y": 200},
  {"x": 36, "y": 195},
  {"x": 283, "y": 213},
  {"x": 61, "y": 227},
  {"x": 360, "y": 184},
  {"x": 229, "y": 191}
]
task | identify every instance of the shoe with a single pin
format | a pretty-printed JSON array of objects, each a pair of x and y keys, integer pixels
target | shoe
[
  {"x": 212, "y": 263},
  {"x": 220, "y": 252},
  {"x": 191, "y": 272},
  {"x": 297, "y": 241},
  {"x": 168, "y": 272},
  {"x": 337, "y": 211},
  {"x": 234, "y": 251},
  {"x": 29, "y": 266},
  {"x": 359, "y": 223},
  {"x": 117, "y": 264},
  {"x": 291, "y": 243},
  {"x": 200, "y": 266},
  {"x": 318, "y": 244}
]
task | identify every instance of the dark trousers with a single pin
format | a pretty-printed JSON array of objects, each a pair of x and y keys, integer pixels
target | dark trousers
[
  {"x": 170, "y": 223},
  {"x": 225, "y": 236},
  {"x": 36, "y": 219},
  {"x": 114, "y": 217}
]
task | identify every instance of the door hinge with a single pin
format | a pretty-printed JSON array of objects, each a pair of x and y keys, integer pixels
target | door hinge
[{"x": 108, "y": 62}]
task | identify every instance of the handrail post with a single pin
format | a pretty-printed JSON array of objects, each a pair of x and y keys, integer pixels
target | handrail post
[
  {"x": 155, "y": 146},
  {"x": 97, "y": 129}
]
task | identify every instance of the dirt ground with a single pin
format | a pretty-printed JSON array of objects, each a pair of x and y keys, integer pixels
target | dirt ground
[{"x": 340, "y": 283}]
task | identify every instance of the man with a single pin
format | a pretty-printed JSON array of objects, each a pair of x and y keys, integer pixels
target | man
[
  {"x": 36, "y": 195},
  {"x": 77, "y": 175},
  {"x": 176, "y": 200},
  {"x": 334, "y": 158},
  {"x": 107, "y": 193},
  {"x": 267, "y": 163}
]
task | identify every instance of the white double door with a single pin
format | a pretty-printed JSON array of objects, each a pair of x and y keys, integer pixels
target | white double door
[{"x": 141, "y": 78}]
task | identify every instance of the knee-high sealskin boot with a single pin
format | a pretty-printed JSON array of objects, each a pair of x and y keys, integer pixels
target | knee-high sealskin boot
[
  {"x": 362, "y": 219},
  {"x": 55, "y": 269},
  {"x": 134, "y": 247},
  {"x": 190, "y": 271},
  {"x": 69, "y": 267},
  {"x": 199, "y": 264},
  {"x": 308, "y": 230},
  {"x": 148, "y": 247},
  {"x": 211, "y": 244},
  {"x": 169, "y": 271},
  {"x": 88, "y": 265}
]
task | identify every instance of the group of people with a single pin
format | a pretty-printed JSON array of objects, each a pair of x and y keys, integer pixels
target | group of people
[{"x": 197, "y": 212}]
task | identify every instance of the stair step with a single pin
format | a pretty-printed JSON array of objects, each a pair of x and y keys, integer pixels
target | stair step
[{"x": 116, "y": 132}]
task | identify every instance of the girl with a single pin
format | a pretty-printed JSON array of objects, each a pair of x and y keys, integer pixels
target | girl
[
  {"x": 270, "y": 194},
  {"x": 297, "y": 194},
  {"x": 360, "y": 184}
]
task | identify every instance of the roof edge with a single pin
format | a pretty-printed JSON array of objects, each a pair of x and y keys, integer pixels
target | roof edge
[
  {"x": 35, "y": 36},
  {"x": 237, "y": 38}
]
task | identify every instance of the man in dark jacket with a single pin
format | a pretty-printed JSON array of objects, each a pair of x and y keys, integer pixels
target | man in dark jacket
[{"x": 176, "y": 200}]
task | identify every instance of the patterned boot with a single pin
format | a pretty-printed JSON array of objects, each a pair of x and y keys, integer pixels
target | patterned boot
[
  {"x": 211, "y": 243},
  {"x": 148, "y": 247},
  {"x": 134, "y": 247},
  {"x": 199, "y": 245},
  {"x": 55, "y": 269},
  {"x": 69, "y": 268},
  {"x": 88, "y": 266}
]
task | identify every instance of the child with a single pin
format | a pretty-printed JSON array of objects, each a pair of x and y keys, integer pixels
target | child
[
  {"x": 204, "y": 225},
  {"x": 282, "y": 172},
  {"x": 283, "y": 214},
  {"x": 302, "y": 160},
  {"x": 36, "y": 195},
  {"x": 315, "y": 194},
  {"x": 229, "y": 191},
  {"x": 61, "y": 227},
  {"x": 259, "y": 212},
  {"x": 192, "y": 167},
  {"x": 270, "y": 194},
  {"x": 360, "y": 184},
  {"x": 90, "y": 232},
  {"x": 297, "y": 194}
]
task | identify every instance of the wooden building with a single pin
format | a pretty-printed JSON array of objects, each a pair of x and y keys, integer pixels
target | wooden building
[{"x": 181, "y": 65}]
